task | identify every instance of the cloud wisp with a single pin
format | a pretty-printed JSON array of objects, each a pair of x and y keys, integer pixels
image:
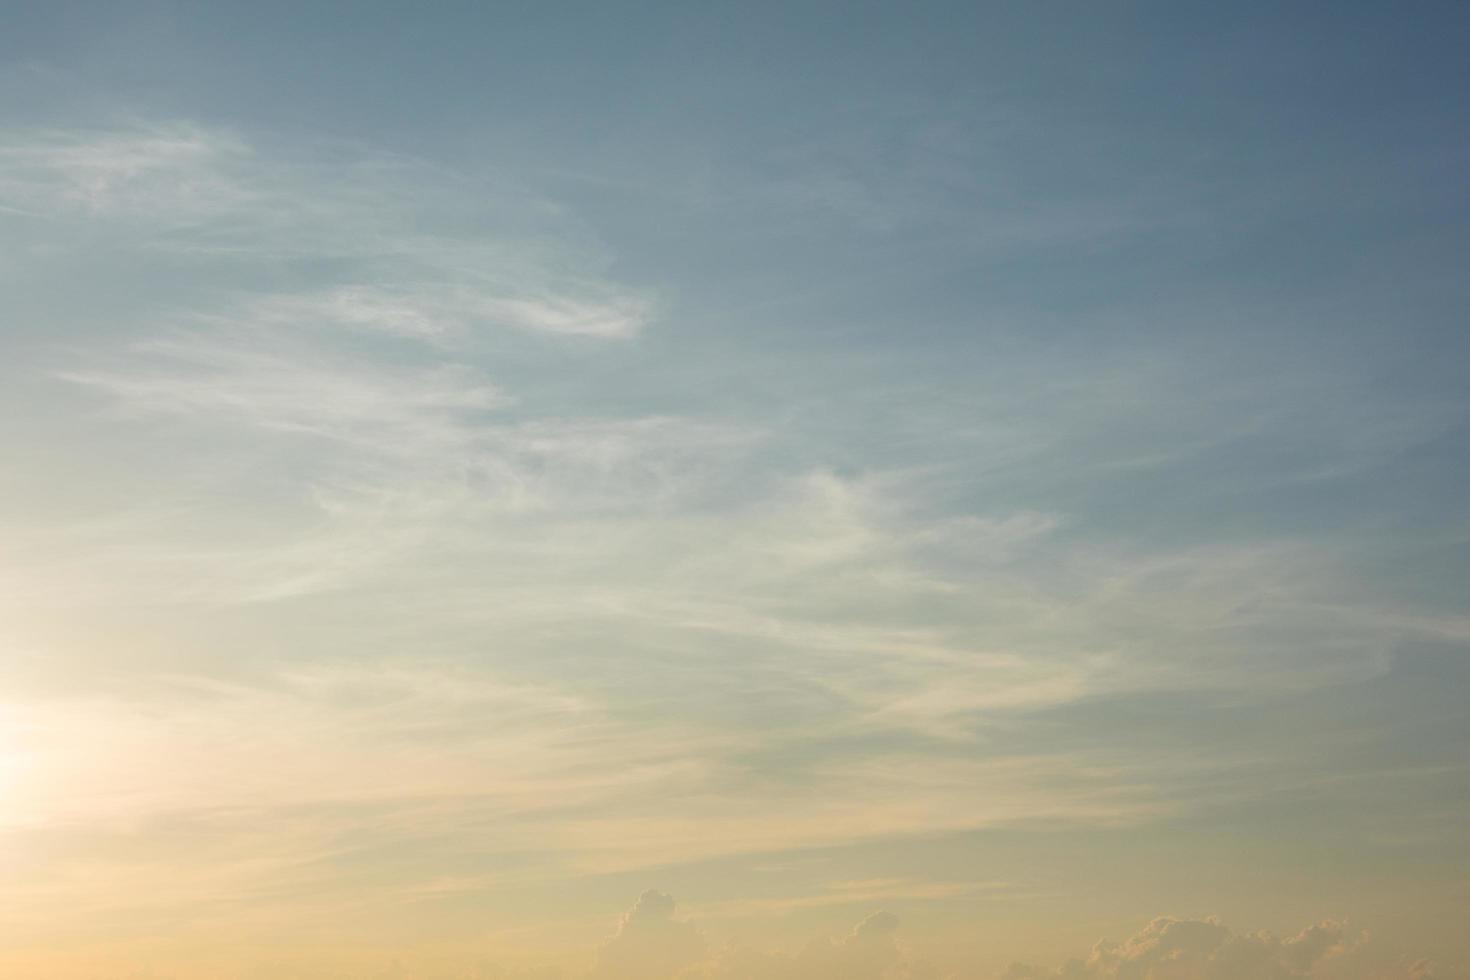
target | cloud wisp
[{"x": 355, "y": 480}]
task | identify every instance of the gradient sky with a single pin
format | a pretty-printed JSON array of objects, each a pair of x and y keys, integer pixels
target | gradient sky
[{"x": 920, "y": 486}]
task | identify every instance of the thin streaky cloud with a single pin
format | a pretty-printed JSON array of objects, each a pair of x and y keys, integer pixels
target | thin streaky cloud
[{"x": 928, "y": 494}]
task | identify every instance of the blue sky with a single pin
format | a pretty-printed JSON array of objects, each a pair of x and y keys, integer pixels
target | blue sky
[{"x": 994, "y": 468}]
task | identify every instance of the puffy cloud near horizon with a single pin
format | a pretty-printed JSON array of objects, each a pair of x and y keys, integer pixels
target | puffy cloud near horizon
[
  {"x": 871, "y": 951},
  {"x": 649, "y": 941},
  {"x": 652, "y": 943},
  {"x": 1205, "y": 949}
]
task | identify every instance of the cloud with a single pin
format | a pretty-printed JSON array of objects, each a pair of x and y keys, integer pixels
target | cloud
[
  {"x": 169, "y": 174},
  {"x": 650, "y": 942},
  {"x": 387, "y": 244},
  {"x": 276, "y": 383},
  {"x": 1202, "y": 949},
  {"x": 863, "y": 892},
  {"x": 1167, "y": 949},
  {"x": 871, "y": 951},
  {"x": 340, "y": 411},
  {"x": 445, "y": 311}
]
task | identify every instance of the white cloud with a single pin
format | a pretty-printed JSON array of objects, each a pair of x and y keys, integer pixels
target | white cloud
[
  {"x": 1203, "y": 949},
  {"x": 445, "y": 311},
  {"x": 1167, "y": 949},
  {"x": 275, "y": 383},
  {"x": 859, "y": 892},
  {"x": 170, "y": 175},
  {"x": 650, "y": 942},
  {"x": 412, "y": 250}
]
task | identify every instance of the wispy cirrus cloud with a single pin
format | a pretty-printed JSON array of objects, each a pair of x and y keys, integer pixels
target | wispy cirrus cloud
[
  {"x": 415, "y": 251},
  {"x": 168, "y": 175},
  {"x": 275, "y": 382},
  {"x": 536, "y": 630}
]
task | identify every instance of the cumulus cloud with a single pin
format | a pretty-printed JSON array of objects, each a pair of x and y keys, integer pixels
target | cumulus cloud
[
  {"x": 1201, "y": 949},
  {"x": 871, "y": 951},
  {"x": 650, "y": 942}
]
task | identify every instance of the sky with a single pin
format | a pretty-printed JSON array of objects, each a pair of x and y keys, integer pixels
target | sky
[{"x": 801, "y": 491}]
